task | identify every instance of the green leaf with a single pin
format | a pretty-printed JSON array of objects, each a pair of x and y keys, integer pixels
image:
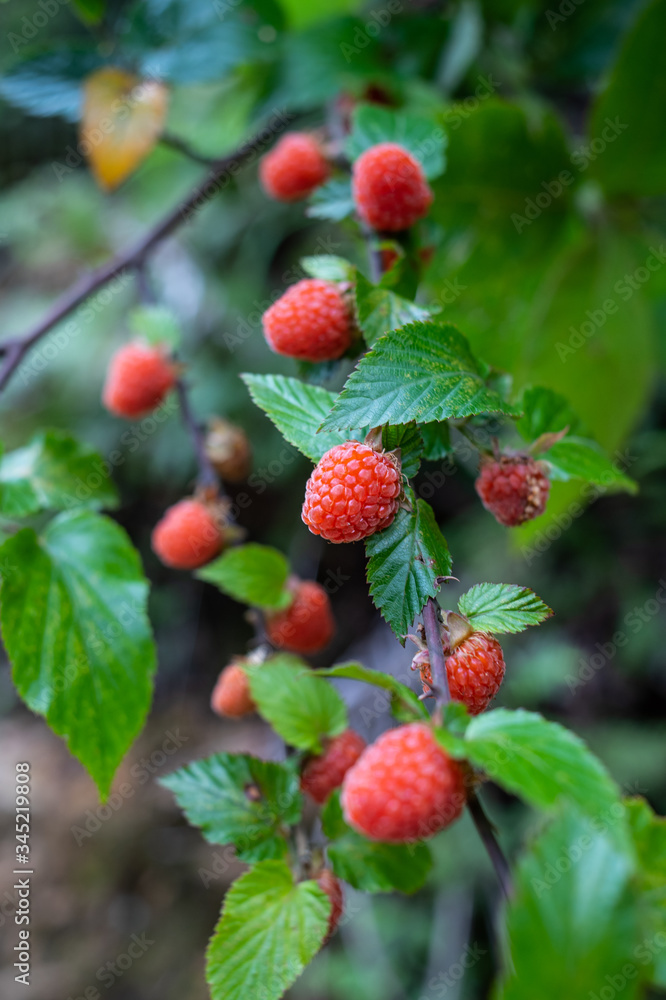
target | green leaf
[
  {"x": 423, "y": 372},
  {"x": 50, "y": 84},
  {"x": 301, "y": 707},
  {"x": 627, "y": 118},
  {"x": 502, "y": 607},
  {"x": 54, "y": 472},
  {"x": 576, "y": 458},
  {"x": 545, "y": 412},
  {"x": 296, "y": 409},
  {"x": 332, "y": 201},
  {"x": 270, "y": 928},
  {"x": 157, "y": 325},
  {"x": 403, "y": 699},
  {"x": 73, "y": 611},
  {"x": 328, "y": 267},
  {"x": 405, "y": 561},
  {"x": 572, "y": 920},
  {"x": 240, "y": 800},
  {"x": 424, "y": 139},
  {"x": 370, "y": 865},
  {"x": 90, "y": 11},
  {"x": 540, "y": 761},
  {"x": 436, "y": 441},
  {"x": 380, "y": 310},
  {"x": 252, "y": 574},
  {"x": 408, "y": 439},
  {"x": 649, "y": 838}
]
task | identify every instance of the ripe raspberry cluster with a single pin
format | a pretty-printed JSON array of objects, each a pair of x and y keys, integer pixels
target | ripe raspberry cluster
[
  {"x": 307, "y": 625},
  {"x": 475, "y": 670},
  {"x": 327, "y": 881},
  {"x": 404, "y": 787},
  {"x": 138, "y": 378},
  {"x": 231, "y": 695},
  {"x": 352, "y": 492},
  {"x": 514, "y": 488},
  {"x": 189, "y": 535},
  {"x": 310, "y": 322},
  {"x": 294, "y": 168},
  {"x": 325, "y": 772},
  {"x": 390, "y": 189}
]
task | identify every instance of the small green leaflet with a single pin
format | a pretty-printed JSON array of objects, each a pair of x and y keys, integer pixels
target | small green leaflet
[
  {"x": 54, "y": 472},
  {"x": 370, "y": 865},
  {"x": 270, "y": 928},
  {"x": 408, "y": 439},
  {"x": 540, "y": 761},
  {"x": 296, "y": 409},
  {"x": 403, "y": 700},
  {"x": 240, "y": 800},
  {"x": 252, "y": 574},
  {"x": 576, "y": 458},
  {"x": 572, "y": 922},
  {"x": 545, "y": 412},
  {"x": 328, "y": 267},
  {"x": 423, "y": 138},
  {"x": 649, "y": 837},
  {"x": 301, "y": 707},
  {"x": 380, "y": 310},
  {"x": 405, "y": 562},
  {"x": 502, "y": 607},
  {"x": 156, "y": 325},
  {"x": 424, "y": 372},
  {"x": 332, "y": 200},
  {"x": 73, "y": 611},
  {"x": 436, "y": 441}
]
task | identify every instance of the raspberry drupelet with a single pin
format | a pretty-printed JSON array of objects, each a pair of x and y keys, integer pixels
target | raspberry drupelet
[
  {"x": 294, "y": 168},
  {"x": 231, "y": 695},
  {"x": 333, "y": 889},
  {"x": 390, "y": 189},
  {"x": 138, "y": 378},
  {"x": 188, "y": 535},
  {"x": 514, "y": 488},
  {"x": 353, "y": 492},
  {"x": 307, "y": 625},
  {"x": 310, "y": 322},
  {"x": 323, "y": 773},
  {"x": 475, "y": 671}
]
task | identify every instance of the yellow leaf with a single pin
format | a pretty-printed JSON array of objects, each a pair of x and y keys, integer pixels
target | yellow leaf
[{"x": 123, "y": 117}]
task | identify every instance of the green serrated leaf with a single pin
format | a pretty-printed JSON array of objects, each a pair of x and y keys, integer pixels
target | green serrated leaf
[
  {"x": 269, "y": 929},
  {"x": 502, "y": 607},
  {"x": 301, "y": 707},
  {"x": 436, "y": 441},
  {"x": 545, "y": 412},
  {"x": 380, "y": 310},
  {"x": 423, "y": 138},
  {"x": 576, "y": 458},
  {"x": 405, "y": 561},
  {"x": 155, "y": 324},
  {"x": 252, "y": 574},
  {"x": 296, "y": 409},
  {"x": 54, "y": 472},
  {"x": 370, "y": 865},
  {"x": 328, "y": 267},
  {"x": 240, "y": 800},
  {"x": 542, "y": 762},
  {"x": 73, "y": 612},
  {"x": 424, "y": 372},
  {"x": 402, "y": 697},
  {"x": 332, "y": 200},
  {"x": 571, "y": 923},
  {"x": 408, "y": 439}
]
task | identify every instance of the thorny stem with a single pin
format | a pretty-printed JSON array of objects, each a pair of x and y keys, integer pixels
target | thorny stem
[
  {"x": 15, "y": 349},
  {"x": 486, "y": 832},
  {"x": 436, "y": 653}
]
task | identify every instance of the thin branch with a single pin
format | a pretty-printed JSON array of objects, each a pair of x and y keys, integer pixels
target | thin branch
[
  {"x": 436, "y": 653},
  {"x": 131, "y": 258},
  {"x": 207, "y": 477},
  {"x": 374, "y": 254},
  {"x": 486, "y": 832},
  {"x": 180, "y": 146}
]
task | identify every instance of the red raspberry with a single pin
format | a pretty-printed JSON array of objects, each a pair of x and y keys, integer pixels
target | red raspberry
[
  {"x": 475, "y": 671},
  {"x": 327, "y": 881},
  {"x": 514, "y": 489},
  {"x": 293, "y": 168},
  {"x": 322, "y": 774},
  {"x": 307, "y": 625},
  {"x": 188, "y": 535},
  {"x": 231, "y": 694},
  {"x": 353, "y": 492},
  {"x": 138, "y": 379},
  {"x": 311, "y": 322},
  {"x": 404, "y": 787},
  {"x": 389, "y": 187}
]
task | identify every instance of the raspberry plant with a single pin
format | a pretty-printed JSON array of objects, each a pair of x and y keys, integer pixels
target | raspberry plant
[{"x": 331, "y": 810}]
